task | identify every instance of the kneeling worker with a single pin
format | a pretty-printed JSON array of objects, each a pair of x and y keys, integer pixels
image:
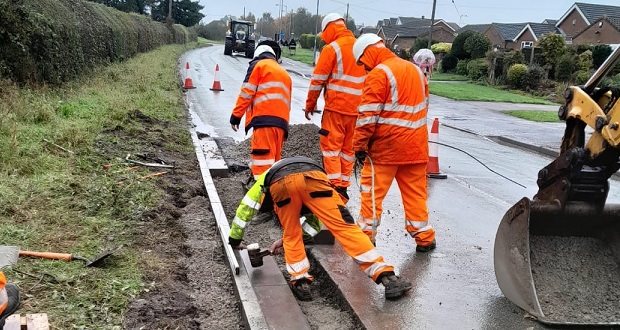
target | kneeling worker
[
  {"x": 9, "y": 299},
  {"x": 297, "y": 183}
]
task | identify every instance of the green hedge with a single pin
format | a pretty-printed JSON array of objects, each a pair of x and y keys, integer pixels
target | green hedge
[{"x": 57, "y": 40}]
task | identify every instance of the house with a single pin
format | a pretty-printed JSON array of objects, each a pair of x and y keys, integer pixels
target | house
[
  {"x": 366, "y": 29},
  {"x": 481, "y": 28},
  {"x": 530, "y": 34},
  {"x": 582, "y": 15},
  {"x": 401, "y": 36},
  {"x": 605, "y": 30},
  {"x": 503, "y": 35}
]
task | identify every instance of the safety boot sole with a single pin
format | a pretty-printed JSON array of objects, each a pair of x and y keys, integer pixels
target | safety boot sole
[
  {"x": 302, "y": 291},
  {"x": 397, "y": 290},
  {"x": 427, "y": 248}
]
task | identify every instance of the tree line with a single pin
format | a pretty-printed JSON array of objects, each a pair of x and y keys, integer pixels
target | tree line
[{"x": 185, "y": 12}]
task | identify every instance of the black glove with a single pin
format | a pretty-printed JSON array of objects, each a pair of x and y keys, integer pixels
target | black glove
[
  {"x": 360, "y": 156},
  {"x": 235, "y": 243}
]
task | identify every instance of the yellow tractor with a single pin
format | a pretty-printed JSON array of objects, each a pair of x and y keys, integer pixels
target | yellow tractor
[{"x": 557, "y": 256}]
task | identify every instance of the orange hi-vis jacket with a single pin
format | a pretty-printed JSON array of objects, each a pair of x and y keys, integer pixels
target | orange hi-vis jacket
[
  {"x": 337, "y": 72},
  {"x": 391, "y": 124},
  {"x": 265, "y": 96}
]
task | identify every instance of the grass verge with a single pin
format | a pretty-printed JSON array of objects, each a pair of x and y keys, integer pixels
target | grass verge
[
  {"x": 442, "y": 76},
  {"x": 301, "y": 55},
  {"x": 535, "y": 115},
  {"x": 88, "y": 200},
  {"x": 473, "y": 92}
]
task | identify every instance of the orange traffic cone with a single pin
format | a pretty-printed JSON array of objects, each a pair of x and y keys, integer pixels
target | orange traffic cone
[
  {"x": 217, "y": 87},
  {"x": 188, "y": 84},
  {"x": 432, "y": 168}
]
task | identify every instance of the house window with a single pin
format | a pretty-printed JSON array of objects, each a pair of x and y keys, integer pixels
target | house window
[
  {"x": 574, "y": 21},
  {"x": 527, "y": 44}
]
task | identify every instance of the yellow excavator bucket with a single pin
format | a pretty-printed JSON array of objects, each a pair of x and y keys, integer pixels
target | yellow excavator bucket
[{"x": 562, "y": 266}]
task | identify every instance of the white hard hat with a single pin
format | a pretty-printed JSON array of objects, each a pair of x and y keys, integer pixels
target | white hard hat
[
  {"x": 360, "y": 45},
  {"x": 263, "y": 49},
  {"x": 332, "y": 17}
]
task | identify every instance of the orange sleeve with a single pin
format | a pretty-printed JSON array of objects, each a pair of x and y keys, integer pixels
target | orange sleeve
[
  {"x": 248, "y": 90},
  {"x": 374, "y": 96},
  {"x": 322, "y": 71}
]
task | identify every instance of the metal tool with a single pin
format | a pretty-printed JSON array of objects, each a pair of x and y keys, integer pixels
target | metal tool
[
  {"x": 256, "y": 255},
  {"x": 569, "y": 208},
  {"x": 10, "y": 254}
]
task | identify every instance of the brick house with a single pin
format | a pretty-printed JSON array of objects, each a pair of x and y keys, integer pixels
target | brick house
[
  {"x": 605, "y": 30},
  {"x": 531, "y": 32},
  {"x": 502, "y": 35},
  {"x": 582, "y": 15},
  {"x": 402, "y": 32}
]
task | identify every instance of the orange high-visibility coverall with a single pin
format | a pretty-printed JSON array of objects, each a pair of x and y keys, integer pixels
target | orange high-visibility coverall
[
  {"x": 4, "y": 298},
  {"x": 392, "y": 128},
  {"x": 313, "y": 190},
  {"x": 343, "y": 79},
  {"x": 265, "y": 100}
]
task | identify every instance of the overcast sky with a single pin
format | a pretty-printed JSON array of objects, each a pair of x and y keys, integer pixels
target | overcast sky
[{"x": 369, "y": 12}]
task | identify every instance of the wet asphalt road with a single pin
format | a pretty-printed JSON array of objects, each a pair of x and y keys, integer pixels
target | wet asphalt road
[{"x": 454, "y": 286}]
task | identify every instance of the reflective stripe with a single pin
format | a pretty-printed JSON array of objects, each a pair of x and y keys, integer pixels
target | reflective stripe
[
  {"x": 345, "y": 178},
  {"x": 249, "y": 86},
  {"x": 271, "y": 96},
  {"x": 309, "y": 230},
  {"x": 340, "y": 66},
  {"x": 315, "y": 87},
  {"x": 403, "y": 122},
  {"x": 392, "y": 79},
  {"x": 366, "y": 121},
  {"x": 349, "y": 78},
  {"x": 334, "y": 176},
  {"x": 274, "y": 84},
  {"x": 348, "y": 90},
  {"x": 245, "y": 95},
  {"x": 302, "y": 275},
  {"x": 262, "y": 162},
  {"x": 363, "y": 226},
  {"x": 319, "y": 76},
  {"x": 249, "y": 202},
  {"x": 365, "y": 188},
  {"x": 370, "y": 107},
  {"x": 298, "y": 267},
  {"x": 256, "y": 177},
  {"x": 237, "y": 221},
  {"x": 409, "y": 108},
  {"x": 347, "y": 157},
  {"x": 368, "y": 256},
  {"x": 331, "y": 153},
  {"x": 374, "y": 268},
  {"x": 418, "y": 224}
]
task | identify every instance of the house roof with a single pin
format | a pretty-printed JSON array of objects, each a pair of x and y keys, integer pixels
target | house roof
[
  {"x": 509, "y": 31},
  {"x": 615, "y": 21},
  {"x": 368, "y": 29},
  {"x": 390, "y": 32},
  {"x": 550, "y": 21},
  {"x": 590, "y": 12},
  {"x": 474, "y": 27},
  {"x": 537, "y": 30},
  {"x": 454, "y": 26},
  {"x": 416, "y": 22}
]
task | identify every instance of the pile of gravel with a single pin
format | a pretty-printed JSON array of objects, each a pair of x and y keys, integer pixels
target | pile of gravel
[{"x": 577, "y": 279}]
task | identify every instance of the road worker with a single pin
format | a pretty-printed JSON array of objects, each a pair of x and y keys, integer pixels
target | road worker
[
  {"x": 265, "y": 100},
  {"x": 342, "y": 80},
  {"x": 292, "y": 185},
  {"x": 9, "y": 299},
  {"x": 391, "y": 138}
]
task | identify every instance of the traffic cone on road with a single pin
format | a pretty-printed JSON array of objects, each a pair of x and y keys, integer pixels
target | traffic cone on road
[
  {"x": 217, "y": 87},
  {"x": 432, "y": 168},
  {"x": 188, "y": 83}
]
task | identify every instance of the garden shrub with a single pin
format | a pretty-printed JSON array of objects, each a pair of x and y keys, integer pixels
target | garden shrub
[
  {"x": 565, "y": 67},
  {"x": 516, "y": 75},
  {"x": 461, "y": 67},
  {"x": 534, "y": 76},
  {"x": 581, "y": 77},
  {"x": 600, "y": 54},
  {"x": 477, "y": 69},
  {"x": 449, "y": 63},
  {"x": 57, "y": 40},
  {"x": 441, "y": 48}
]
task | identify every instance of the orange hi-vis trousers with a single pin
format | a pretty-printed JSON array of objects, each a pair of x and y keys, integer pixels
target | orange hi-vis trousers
[
  {"x": 265, "y": 148},
  {"x": 411, "y": 181},
  {"x": 4, "y": 298},
  {"x": 313, "y": 190},
  {"x": 336, "y": 142}
]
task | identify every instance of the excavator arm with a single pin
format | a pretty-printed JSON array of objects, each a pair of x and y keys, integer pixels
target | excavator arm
[{"x": 581, "y": 172}]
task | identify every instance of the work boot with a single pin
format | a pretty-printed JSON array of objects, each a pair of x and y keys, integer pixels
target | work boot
[
  {"x": 427, "y": 248},
  {"x": 13, "y": 294},
  {"x": 394, "y": 286},
  {"x": 301, "y": 289}
]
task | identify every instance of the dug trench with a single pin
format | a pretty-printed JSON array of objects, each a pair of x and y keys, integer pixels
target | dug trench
[
  {"x": 328, "y": 309},
  {"x": 189, "y": 285}
]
